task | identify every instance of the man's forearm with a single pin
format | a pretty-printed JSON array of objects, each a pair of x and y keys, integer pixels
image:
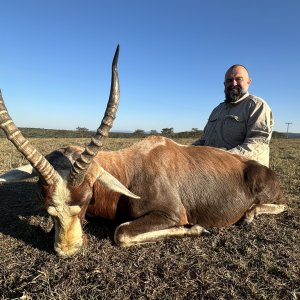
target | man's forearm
[{"x": 254, "y": 149}]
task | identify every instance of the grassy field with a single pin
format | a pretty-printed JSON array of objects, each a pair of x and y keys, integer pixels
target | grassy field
[{"x": 260, "y": 261}]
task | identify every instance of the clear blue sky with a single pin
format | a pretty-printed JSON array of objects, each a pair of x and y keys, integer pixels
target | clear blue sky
[{"x": 55, "y": 59}]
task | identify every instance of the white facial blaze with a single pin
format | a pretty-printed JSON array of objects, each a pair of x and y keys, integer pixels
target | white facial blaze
[
  {"x": 61, "y": 195},
  {"x": 68, "y": 230}
]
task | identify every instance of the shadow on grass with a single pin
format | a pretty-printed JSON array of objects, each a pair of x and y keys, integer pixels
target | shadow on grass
[
  {"x": 23, "y": 217},
  {"x": 101, "y": 229}
]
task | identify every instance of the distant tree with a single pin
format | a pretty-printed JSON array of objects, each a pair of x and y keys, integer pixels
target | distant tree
[
  {"x": 81, "y": 129},
  {"x": 153, "y": 132},
  {"x": 139, "y": 132},
  {"x": 278, "y": 135},
  {"x": 167, "y": 131},
  {"x": 195, "y": 130}
]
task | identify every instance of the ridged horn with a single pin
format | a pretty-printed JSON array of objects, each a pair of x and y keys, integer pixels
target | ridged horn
[
  {"x": 81, "y": 165},
  {"x": 37, "y": 160}
]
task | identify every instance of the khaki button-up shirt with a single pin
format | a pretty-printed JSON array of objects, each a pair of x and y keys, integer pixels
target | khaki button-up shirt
[{"x": 244, "y": 127}]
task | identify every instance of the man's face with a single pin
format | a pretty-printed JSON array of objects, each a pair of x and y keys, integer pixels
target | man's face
[{"x": 236, "y": 83}]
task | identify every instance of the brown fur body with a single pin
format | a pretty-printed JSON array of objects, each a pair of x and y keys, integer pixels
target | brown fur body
[{"x": 177, "y": 184}]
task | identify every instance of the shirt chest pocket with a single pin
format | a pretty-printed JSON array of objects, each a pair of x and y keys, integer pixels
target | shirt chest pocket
[
  {"x": 234, "y": 129},
  {"x": 210, "y": 127}
]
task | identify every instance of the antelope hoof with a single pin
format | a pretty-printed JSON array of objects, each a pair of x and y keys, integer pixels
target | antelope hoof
[{"x": 200, "y": 230}]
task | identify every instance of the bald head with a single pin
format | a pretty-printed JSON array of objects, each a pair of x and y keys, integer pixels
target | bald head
[
  {"x": 237, "y": 66},
  {"x": 237, "y": 82}
]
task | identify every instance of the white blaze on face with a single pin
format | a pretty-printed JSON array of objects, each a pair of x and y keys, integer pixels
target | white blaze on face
[{"x": 68, "y": 230}]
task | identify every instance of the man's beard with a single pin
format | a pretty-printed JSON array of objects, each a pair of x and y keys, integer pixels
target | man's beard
[{"x": 234, "y": 94}]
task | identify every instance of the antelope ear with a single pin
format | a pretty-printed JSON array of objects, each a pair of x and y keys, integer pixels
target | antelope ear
[
  {"x": 18, "y": 174},
  {"x": 114, "y": 184}
]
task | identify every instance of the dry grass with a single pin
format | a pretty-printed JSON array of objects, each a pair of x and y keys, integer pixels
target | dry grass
[{"x": 261, "y": 261}]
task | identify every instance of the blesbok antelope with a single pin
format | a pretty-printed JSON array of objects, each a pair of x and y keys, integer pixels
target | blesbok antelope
[{"x": 181, "y": 189}]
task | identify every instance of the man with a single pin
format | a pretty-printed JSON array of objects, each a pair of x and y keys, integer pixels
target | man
[{"x": 243, "y": 123}]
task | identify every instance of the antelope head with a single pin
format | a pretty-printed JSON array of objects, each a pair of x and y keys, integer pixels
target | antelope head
[{"x": 66, "y": 193}]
